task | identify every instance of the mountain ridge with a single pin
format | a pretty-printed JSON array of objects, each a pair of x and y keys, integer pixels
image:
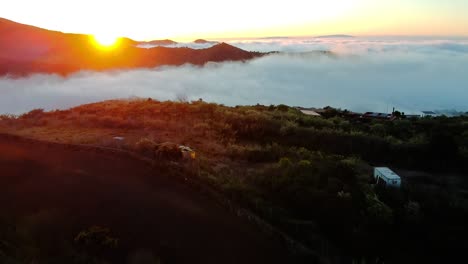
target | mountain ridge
[{"x": 27, "y": 49}]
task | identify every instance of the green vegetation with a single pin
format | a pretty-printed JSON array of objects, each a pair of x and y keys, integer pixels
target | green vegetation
[{"x": 309, "y": 176}]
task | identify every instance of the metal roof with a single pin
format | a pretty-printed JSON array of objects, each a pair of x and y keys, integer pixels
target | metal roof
[
  {"x": 374, "y": 114},
  {"x": 388, "y": 173},
  {"x": 310, "y": 112}
]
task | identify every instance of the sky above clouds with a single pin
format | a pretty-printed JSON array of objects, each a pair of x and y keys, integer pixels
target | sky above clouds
[
  {"x": 362, "y": 74},
  {"x": 187, "y": 19}
]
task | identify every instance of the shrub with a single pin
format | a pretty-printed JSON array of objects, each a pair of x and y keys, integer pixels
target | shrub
[
  {"x": 282, "y": 108},
  {"x": 34, "y": 114},
  {"x": 5, "y": 117},
  {"x": 284, "y": 163},
  {"x": 95, "y": 243},
  {"x": 288, "y": 129},
  {"x": 168, "y": 151},
  {"x": 145, "y": 146}
]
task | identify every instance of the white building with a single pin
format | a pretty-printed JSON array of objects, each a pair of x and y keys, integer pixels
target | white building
[
  {"x": 429, "y": 114},
  {"x": 387, "y": 177},
  {"x": 310, "y": 112}
]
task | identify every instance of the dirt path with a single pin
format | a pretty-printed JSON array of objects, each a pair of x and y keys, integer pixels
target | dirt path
[{"x": 146, "y": 211}]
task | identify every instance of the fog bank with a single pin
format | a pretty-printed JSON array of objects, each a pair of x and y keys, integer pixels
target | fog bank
[{"x": 360, "y": 74}]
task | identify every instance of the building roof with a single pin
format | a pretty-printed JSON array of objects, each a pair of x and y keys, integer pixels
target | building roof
[
  {"x": 429, "y": 112},
  {"x": 376, "y": 115},
  {"x": 413, "y": 115},
  {"x": 310, "y": 112},
  {"x": 388, "y": 173}
]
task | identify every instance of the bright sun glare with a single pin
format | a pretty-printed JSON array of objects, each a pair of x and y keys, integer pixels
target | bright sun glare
[{"x": 105, "y": 40}]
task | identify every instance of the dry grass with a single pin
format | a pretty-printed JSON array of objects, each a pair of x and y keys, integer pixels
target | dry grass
[{"x": 98, "y": 124}]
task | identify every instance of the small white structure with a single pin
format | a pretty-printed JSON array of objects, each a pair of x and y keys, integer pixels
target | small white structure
[
  {"x": 387, "y": 177},
  {"x": 429, "y": 114},
  {"x": 310, "y": 112}
]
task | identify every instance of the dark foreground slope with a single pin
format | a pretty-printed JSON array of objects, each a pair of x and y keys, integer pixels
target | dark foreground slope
[
  {"x": 26, "y": 49},
  {"x": 53, "y": 191},
  {"x": 310, "y": 177}
]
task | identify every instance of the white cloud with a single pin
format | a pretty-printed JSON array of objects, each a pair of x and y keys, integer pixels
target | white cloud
[
  {"x": 191, "y": 45},
  {"x": 366, "y": 74}
]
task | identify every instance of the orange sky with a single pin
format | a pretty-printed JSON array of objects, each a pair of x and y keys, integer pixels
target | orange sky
[{"x": 185, "y": 20}]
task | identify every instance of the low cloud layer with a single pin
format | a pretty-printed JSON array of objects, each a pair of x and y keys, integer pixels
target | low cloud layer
[
  {"x": 191, "y": 45},
  {"x": 361, "y": 74}
]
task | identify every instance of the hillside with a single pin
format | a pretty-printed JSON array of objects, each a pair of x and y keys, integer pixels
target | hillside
[
  {"x": 310, "y": 177},
  {"x": 26, "y": 49},
  {"x": 152, "y": 216}
]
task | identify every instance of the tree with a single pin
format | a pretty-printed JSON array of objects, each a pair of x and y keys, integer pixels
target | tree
[
  {"x": 399, "y": 114},
  {"x": 330, "y": 112},
  {"x": 282, "y": 108}
]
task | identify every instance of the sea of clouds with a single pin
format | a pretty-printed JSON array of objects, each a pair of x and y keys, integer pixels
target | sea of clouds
[
  {"x": 192, "y": 45},
  {"x": 361, "y": 74}
]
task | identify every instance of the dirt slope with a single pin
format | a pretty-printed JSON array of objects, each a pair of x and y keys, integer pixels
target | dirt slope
[{"x": 145, "y": 210}]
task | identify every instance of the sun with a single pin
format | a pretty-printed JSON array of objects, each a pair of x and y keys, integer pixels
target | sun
[{"x": 105, "y": 41}]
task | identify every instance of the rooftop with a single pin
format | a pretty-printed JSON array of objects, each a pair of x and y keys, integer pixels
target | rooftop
[
  {"x": 388, "y": 173},
  {"x": 310, "y": 113}
]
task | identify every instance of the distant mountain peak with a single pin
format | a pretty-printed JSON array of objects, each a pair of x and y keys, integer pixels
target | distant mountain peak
[
  {"x": 203, "y": 41},
  {"x": 162, "y": 42}
]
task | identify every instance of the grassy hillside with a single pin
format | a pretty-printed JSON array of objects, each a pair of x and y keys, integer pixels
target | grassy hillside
[{"x": 309, "y": 176}]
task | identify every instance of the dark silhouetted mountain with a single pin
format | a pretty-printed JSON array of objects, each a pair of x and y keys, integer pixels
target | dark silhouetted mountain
[
  {"x": 200, "y": 41},
  {"x": 203, "y": 41},
  {"x": 27, "y": 49},
  {"x": 162, "y": 42}
]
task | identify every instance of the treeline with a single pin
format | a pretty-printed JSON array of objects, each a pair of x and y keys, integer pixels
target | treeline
[{"x": 439, "y": 144}]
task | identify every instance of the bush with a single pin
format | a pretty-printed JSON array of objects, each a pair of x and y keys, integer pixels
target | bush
[
  {"x": 145, "y": 146},
  {"x": 288, "y": 129},
  {"x": 95, "y": 244},
  {"x": 282, "y": 108},
  {"x": 168, "y": 151},
  {"x": 284, "y": 163},
  {"x": 33, "y": 114}
]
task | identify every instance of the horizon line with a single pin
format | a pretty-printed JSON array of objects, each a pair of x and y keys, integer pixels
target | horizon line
[{"x": 186, "y": 38}]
